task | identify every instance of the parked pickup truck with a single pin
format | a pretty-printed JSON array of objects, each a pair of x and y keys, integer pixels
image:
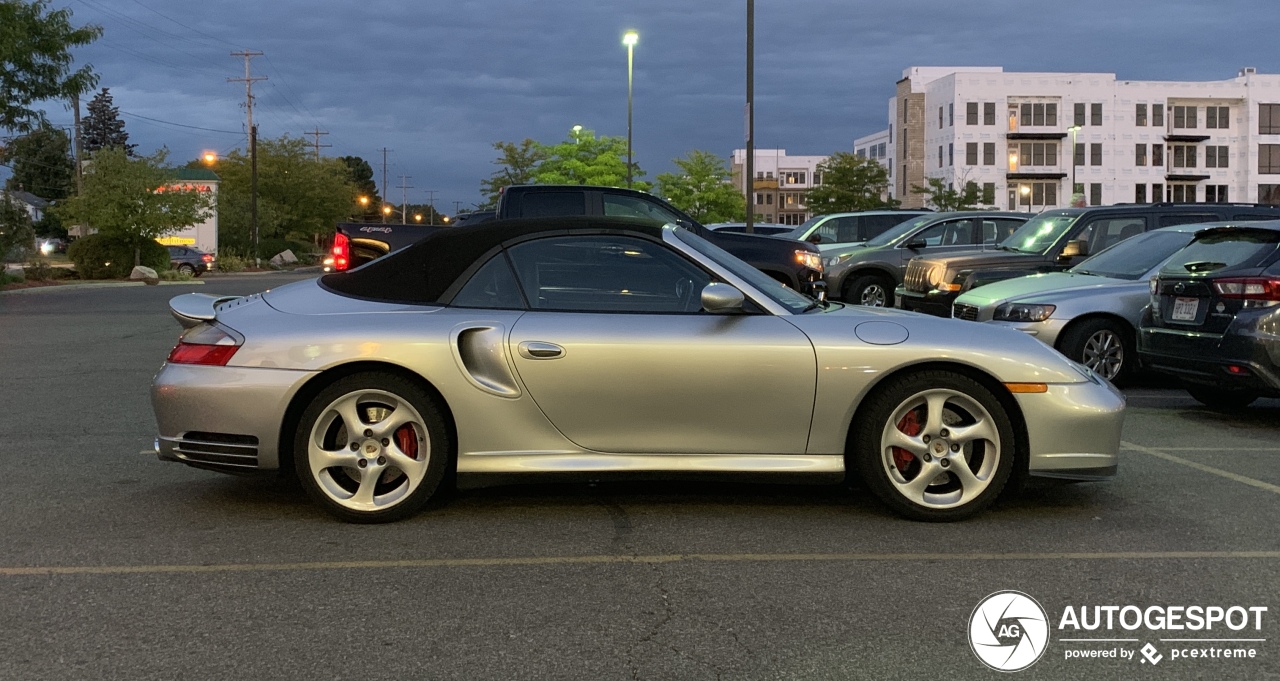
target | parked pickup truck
[
  {"x": 1050, "y": 242},
  {"x": 794, "y": 263}
]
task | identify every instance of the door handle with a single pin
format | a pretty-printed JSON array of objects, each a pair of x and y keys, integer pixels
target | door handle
[{"x": 540, "y": 350}]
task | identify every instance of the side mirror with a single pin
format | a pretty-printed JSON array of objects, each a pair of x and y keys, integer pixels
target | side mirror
[
  {"x": 720, "y": 298},
  {"x": 814, "y": 238},
  {"x": 1075, "y": 248},
  {"x": 916, "y": 244}
]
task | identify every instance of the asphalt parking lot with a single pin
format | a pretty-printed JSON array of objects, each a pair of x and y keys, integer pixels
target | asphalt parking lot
[{"x": 117, "y": 565}]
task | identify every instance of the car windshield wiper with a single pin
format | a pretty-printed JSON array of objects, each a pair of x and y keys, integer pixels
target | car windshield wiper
[
  {"x": 1087, "y": 273},
  {"x": 814, "y": 305}
]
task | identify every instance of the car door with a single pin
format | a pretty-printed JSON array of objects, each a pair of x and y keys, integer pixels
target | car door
[
  {"x": 618, "y": 354},
  {"x": 938, "y": 239}
]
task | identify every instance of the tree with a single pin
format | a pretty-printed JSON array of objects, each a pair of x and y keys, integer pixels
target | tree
[
  {"x": 941, "y": 196},
  {"x": 299, "y": 197},
  {"x": 850, "y": 183},
  {"x": 41, "y": 162},
  {"x": 704, "y": 189},
  {"x": 134, "y": 199},
  {"x": 583, "y": 158},
  {"x": 362, "y": 179},
  {"x": 516, "y": 163},
  {"x": 35, "y": 60},
  {"x": 15, "y": 226},
  {"x": 102, "y": 128}
]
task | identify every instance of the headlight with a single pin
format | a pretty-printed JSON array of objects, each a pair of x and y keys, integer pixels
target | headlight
[
  {"x": 1020, "y": 312},
  {"x": 809, "y": 259},
  {"x": 836, "y": 259},
  {"x": 935, "y": 275}
]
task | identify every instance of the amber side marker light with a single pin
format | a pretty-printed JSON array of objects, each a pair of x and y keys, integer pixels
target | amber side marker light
[{"x": 1027, "y": 387}]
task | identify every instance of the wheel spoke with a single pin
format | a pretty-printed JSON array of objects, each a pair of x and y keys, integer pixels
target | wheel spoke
[
  {"x": 914, "y": 489},
  {"x": 368, "y": 483},
  {"x": 897, "y": 438},
  {"x": 935, "y": 402},
  {"x": 349, "y": 411},
  {"x": 412, "y": 468},
  {"x": 970, "y": 485},
  {"x": 388, "y": 426},
  {"x": 980, "y": 431},
  {"x": 320, "y": 459}
]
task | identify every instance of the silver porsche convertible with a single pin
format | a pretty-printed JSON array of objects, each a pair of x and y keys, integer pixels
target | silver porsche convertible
[{"x": 597, "y": 346}]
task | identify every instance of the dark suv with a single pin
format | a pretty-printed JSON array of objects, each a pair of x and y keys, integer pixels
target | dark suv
[
  {"x": 1215, "y": 308},
  {"x": 1051, "y": 241}
]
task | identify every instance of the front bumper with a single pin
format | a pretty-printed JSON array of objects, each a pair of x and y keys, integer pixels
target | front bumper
[
  {"x": 222, "y": 418},
  {"x": 1046, "y": 332},
  {"x": 935, "y": 302},
  {"x": 1074, "y": 430}
]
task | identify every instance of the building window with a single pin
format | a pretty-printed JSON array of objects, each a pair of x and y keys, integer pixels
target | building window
[
  {"x": 792, "y": 199},
  {"x": 861, "y": 153},
  {"x": 1269, "y": 120},
  {"x": 951, "y": 153},
  {"x": 1095, "y": 154},
  {"x": 951, "y": 114},
  {"x": 793, "y": 177},
  {"x": 1216, "y": 193},
  {"x": 1217, "y": 117},
  {"x": 768, "y": 199},
  {"x": 1215, "y": 157},
  {"x": 1095, "y": 113},
  {"x": 1039, "y": 153},
  {"x": 1184, "y": 117},
  {"x": 971, "y": 153},
  {"x": 1157, "y": 115},
  {"x": 759, "y": 199},
  {"x": 1140, "y": 119},
  {"x": 970, "y": 113},
  {"x": 988, "y": 153},
  {"x": 1269, "y": 159},
  {"x": 1079, "y": 114},
  {"x": 768, "y": 175},
  {"x": 759, "y": 174},
  {"x": 989, "y": 113},
  {"x": 1184, "y": 155},
  {"x": 1140, "y": 193},
  {"x": 1269, "y": 193},
  {"x": 1157, "y": 193},
  {"x": 1157, "y": 155},
  {"x": 1182, "y": 193},
  {"x": 1079, "y": 154},
  {"x": 989, "y": 193},
  {"x": 1140, "y": 156},
  {"x": 817, "y": 177},
  {"x": 1031, "y": 194},
  {"x": 891, "y": 133},
  {"x": 1045, "y": 114},
  {"x": 1095, "y": 194}
]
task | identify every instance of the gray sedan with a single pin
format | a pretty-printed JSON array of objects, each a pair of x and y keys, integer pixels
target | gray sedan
[
  {"x": 866, "y": 274},
  {"x": 599, "y": 346},
  {"x": 1089, "y": 312}
]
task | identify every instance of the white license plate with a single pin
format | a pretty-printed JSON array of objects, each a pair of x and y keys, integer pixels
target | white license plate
[{"x": 1184, "y": 309}]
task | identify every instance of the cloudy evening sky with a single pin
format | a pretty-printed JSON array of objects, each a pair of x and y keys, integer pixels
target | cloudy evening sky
[{"x": 439, "y": 82}]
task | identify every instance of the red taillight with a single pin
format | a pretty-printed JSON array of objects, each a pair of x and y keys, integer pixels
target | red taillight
[
  {"x": 206, "y": 257},
  {"x": 1248, "y": 288},
  {"x": 341, "y": 251},
  {"x": 209, "y": 355}
]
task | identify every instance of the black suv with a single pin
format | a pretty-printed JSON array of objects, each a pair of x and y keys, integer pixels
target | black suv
[{"x": 1051, "y": 241}]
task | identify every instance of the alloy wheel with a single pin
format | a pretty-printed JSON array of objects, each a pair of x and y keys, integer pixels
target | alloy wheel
[
  {"x": 873, "y": 295},
  {"x": 940, "y": 449},
  {"x": 1104, "y": 353}
]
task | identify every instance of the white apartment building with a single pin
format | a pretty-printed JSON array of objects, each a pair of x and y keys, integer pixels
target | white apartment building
[
  {"x": 781, "y": 183},
  {"x": 1031, "y": 140}
]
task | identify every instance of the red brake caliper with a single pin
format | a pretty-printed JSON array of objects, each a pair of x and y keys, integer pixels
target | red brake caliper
[
  {"x": 909, "y": 425},
  {"x": 407, "y": 439}
]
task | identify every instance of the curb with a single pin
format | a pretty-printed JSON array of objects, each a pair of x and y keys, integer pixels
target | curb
[
  {"x": 300, "y": 270},
  {"x": 107, "y": 284}
]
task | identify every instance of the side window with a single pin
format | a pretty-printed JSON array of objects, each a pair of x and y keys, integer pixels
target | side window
[
  {"x": 1250, "y": 216},
  {"x": 995, "y": 231},
  {"x": 493, "y": 286},
  {"x": 958, "y": 233},
  {"x": 839, "y": 230},
  {"x": 1109, "y": 231},
  {"x": 553, "y": 204},
  {"x": 932, "y": 235},
  {"x": 875, "y": 225},
  {"x": 631, "y": 207},
  {"x": 607, "y": 274},
  {"x": 1170, "y": 220}
]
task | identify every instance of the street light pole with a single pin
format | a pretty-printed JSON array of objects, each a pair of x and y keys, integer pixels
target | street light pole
[
  {"x": 748, "y": 179},
  {"x": 630, "y": 41},
  {"x": 1074, "y": 129}
]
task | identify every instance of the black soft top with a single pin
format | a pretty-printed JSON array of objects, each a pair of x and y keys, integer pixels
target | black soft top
[{"x": 422, "y": 272}]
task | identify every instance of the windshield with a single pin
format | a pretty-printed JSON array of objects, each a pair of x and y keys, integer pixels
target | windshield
[
  {"x": 1039, "y": 233},
  {"x": 898, "y": 231},
  {"x": 1132, "y": 258},
  {"x": 799, "y": 232},
  {"x": 793, "y": 301},
  {"x": 1220, "y": 249}
]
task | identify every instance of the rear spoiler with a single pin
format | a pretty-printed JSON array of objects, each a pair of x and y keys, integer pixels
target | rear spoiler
[{"x": 194, "y": 309}]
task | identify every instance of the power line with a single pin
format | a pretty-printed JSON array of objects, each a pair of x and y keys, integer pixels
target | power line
[
  {"x": 317, "y": 133},
  {"x": 181, "y": 125}
]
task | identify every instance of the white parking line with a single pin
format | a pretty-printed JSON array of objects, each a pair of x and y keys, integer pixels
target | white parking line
[
  {"x": 649, "y": 559},
  {"x": 1201, "y": 467}
]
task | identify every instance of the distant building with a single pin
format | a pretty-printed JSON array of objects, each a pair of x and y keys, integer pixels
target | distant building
[
  {"x": 1031, "y": 140},
  {"x": 34, "y": 205},
  {"x": 204, "y": 235},
  {"x": 781, "y": 182}
]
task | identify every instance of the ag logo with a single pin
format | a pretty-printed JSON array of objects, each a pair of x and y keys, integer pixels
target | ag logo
[{"x": 1008, "y": 631}]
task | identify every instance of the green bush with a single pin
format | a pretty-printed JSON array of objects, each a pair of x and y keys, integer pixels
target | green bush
[
  {"x": 100, "y": 257},
  {"x": 175, "y": 275},
  {"x": 6, "y": 278},
  {"x": 39, "y": 270},
  {"x": 231, "y": 261},
  {"x": 268, "y": 248}
]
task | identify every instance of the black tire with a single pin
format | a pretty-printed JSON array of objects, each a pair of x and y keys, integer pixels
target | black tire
[
  {"x": 1104, "y": 345},
  {"x": 187, "y": 268},
  {"x": 871, "y": 460},
  {"x": 1221, "y": 399},
  {"x": 870, "y": 287},
  {"x": 437, "y": 458}
]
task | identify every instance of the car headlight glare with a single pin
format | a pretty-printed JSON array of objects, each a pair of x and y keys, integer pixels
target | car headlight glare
[
  {"x": 1022, "y": 312},
  {"x": 809, "y": 259}
]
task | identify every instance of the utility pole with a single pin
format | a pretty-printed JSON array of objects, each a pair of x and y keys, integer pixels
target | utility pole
[
  {"x": 317, "y": 133},
  {"x": 457, "y": 208},
  {"x": 248, "y": 81},
  {"x": 75, "y": 105},
  {"x": 384, "y": 151},
  {"x": 431, "y": 198},
  {"x": 748, "y": 178},
  {"x": 404, "y": 199}
]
